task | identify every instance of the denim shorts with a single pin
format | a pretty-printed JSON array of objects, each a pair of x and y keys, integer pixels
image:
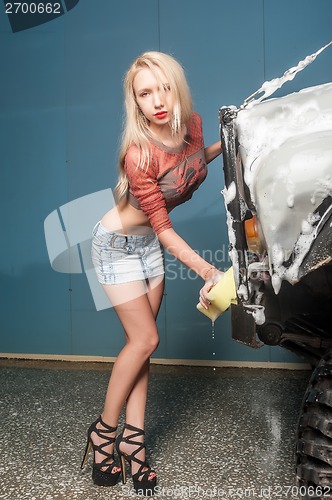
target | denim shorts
[{"x": 120, "y": 258}]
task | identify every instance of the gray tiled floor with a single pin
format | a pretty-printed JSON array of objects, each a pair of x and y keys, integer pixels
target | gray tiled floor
[{"x": 217, "y": 434}]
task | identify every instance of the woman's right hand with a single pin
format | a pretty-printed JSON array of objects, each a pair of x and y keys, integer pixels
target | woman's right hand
[{"x": 212, "y": 279}]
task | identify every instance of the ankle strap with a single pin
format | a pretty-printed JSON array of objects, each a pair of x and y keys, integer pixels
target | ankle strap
[
  {"x": 140, "y": 432},
  {"x": 108, "y": 427}
]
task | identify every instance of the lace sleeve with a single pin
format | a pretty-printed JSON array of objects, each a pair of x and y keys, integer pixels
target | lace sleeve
[{"x": 145, "y": 188}]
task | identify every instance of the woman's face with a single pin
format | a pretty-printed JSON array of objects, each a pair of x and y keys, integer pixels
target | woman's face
[{"x": 155, "y": 103}]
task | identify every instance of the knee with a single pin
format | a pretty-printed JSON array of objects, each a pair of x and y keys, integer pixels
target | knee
[
  {"x": 153, "y": 343},
  {"x": 147, "y": 345}
]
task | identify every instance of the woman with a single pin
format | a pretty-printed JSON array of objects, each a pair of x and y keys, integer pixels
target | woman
[{"x": 162, "y": 161}]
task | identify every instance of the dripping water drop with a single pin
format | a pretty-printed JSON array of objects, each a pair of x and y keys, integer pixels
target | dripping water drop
[{"x": 213, "y": 339}]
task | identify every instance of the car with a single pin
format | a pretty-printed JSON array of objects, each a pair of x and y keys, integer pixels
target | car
[{"x": 277, "y": 160}]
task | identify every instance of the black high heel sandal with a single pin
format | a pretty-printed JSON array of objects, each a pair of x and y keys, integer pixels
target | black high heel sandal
[
  {"x": 105, "y": 477},
  {"x": 142, "y": 483}
]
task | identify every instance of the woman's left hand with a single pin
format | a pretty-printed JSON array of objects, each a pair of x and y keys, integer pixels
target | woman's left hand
[{"x": 209, "y": 283}]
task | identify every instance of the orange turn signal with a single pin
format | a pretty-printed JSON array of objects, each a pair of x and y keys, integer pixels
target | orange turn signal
[{"x": 251, "y": 230}]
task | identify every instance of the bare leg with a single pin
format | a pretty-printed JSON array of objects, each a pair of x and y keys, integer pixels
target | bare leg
[
  {"x": 136, "y": 401},
  {"x": 131, "y": 367}
]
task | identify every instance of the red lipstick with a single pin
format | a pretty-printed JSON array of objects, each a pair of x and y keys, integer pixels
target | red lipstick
[{"x": 161, "y": 114}]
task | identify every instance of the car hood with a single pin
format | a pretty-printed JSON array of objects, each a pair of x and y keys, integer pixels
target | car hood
[{"x": 286, "y": 150}]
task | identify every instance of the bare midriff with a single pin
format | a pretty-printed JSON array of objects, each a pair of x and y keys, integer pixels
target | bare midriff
[{"x": 126, "y": 219}]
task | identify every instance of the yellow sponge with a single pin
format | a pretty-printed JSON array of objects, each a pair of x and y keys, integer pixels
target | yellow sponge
[{"x": 221, "y": 296}]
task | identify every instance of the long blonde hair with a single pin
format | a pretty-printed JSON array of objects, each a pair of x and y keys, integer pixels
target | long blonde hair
[{"x": 136, "y": 126}]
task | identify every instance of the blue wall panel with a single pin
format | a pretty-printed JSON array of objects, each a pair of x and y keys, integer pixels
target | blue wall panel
[
  {"x": 61, "y": 108},
  {"x": 35, "y": 312},
  {"x": 292, "y": 31}
]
